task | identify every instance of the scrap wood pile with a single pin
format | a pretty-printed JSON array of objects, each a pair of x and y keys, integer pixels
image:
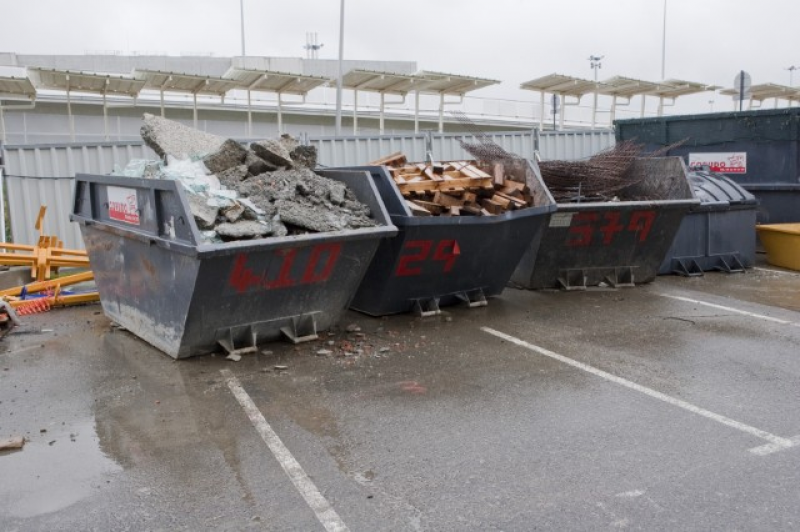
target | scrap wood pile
[
  {"x": 605, "y": 176},
  {"x": 456, "y": 188},
  {"x": 48, "y": 288},
  {"x": 239, "y": 192}
]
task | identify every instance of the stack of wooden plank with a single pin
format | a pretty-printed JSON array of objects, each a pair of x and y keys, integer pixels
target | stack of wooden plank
[{"x": 455, "y": 188}]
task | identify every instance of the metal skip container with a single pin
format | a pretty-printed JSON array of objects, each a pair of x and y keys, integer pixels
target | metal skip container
[
  {"x": 617, "y": 243},
  {"x": 438, "y": 261},
  {"x": 186, "y": 298},
  {"x": 760, "y": 150},
  {"x": 719, "y": 233}
]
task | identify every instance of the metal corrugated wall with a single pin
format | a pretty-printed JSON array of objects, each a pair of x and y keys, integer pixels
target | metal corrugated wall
[{"x": 42, "y": 174}]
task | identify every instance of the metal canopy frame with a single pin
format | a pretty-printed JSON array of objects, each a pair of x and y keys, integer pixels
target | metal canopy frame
[
  {"x": 671, "y": 89},
  {"x": 627, "y": 88},
  {"x": 278, "y": 83},
  {"x": 90, "y": 82},
  {"x": 564, "y": 86},
  {"x": 445, "y": 84},
  {"x": 193, "y": 84},
  {"x": 13, "y": 88},
  {"x": 383, "y": 83},
  {"x": 765, "y": 91}
]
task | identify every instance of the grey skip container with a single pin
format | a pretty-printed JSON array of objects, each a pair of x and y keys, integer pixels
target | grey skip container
[
  {"x": 188, "y": 298},
  {"x": 444, "y": 260},
  {"x": 770, "y": 140},
  {"x": 719, "y": 234},
  {"x": 617, "y": 243}
]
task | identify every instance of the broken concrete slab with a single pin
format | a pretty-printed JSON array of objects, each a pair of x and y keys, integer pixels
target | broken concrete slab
[
  {"x": 337, "y": 194},
  {"x": 232, "y": 177},
  {"x": 234, "y": 212},
  {"x": 167, "y": 137},
  {"x": 242, "y": 230},
  {"x": 256, "y": 165},
  {"x": 273, "y": 152},
  {"x": 309, "y": 217},
  {"x": 230, "y": 154},
  {"x": 204, "y": 214},
  {"x": 305, "y": 156}
]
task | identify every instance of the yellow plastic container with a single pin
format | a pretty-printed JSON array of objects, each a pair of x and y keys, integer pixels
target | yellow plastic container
[{"x": 782, "y": 243}]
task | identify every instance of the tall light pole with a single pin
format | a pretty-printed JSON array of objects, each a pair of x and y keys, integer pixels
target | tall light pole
[
  {"x": 241, "y": 11},
  {"x": 339, "y": 77},
  {"x": 791, "y": 70},
  {"x": 594, "y": 62},
  {"x": 664, "y": 45}
]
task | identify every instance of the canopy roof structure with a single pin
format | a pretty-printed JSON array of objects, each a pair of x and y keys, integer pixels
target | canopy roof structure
[
  {"x": 81, "y": 81},
  {"x": 274, "y": 82},
  {"x": 452, "y": 84},
  {"x": 71, "y": 81},
  {"x": 765, "y": 91},
  {"x": 193, "y": 84},
  {"x": 13, "y": 87},
  {"x": 383, "y": 83},
  {"x": 564, "y": 86}
]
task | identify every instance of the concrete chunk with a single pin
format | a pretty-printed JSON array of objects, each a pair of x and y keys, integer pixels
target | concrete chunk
[
  {"x": 232, "y": 177},
  {"x": 244, "y": 229},
  {"x": 309, "y": 217},
  {"x": 304, "y": 156},
  {"x": 256, "y": 165},
  {"x": 230, "y": 154},
  {"x": 273, "y": 152},
  {"x": 167, "y": 137},
  {"x": 234, "y": 212},
  {"x": 204, "y": 214},
  {"x": 337, "y": 193}
]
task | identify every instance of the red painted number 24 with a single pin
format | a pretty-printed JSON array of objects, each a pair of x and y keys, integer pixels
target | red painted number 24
[{"x": 445, "y": 251}]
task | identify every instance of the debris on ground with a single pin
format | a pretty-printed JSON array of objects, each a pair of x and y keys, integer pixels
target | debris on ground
[
  {"x": 458, "y": 188},
  {"x": 15, "y": 442},
  {"x": 236, "y": 192}
]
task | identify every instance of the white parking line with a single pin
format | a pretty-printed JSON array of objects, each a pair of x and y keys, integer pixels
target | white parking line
[
  {"x": 731, "y": 309},
  {"x": 775, "y": 443},
  {"x": 315, "y": 500},
  {"x": 774, "y": 271}
]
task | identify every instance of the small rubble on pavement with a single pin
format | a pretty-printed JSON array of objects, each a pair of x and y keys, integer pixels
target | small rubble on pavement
[{"x": 236, "y": 192}]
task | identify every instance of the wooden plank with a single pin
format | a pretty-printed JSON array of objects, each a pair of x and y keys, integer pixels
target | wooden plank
[
  {"x": 450, "y": 184},
  {"x": 394, "y": 159},
  {"x": 428, "y": 206},
  {"x": 491, "y": 206},
  {"x": 519, "y": 202},
  {"x": 416, "y": 210},
  {"x": 501, "y": 201},
  {"x": 455, "y": 210},
  {"x": 447, "y": 200},
  {"x": 499, "y": 174}
]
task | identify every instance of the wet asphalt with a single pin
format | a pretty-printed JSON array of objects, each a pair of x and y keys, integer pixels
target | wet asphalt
[{"x": 436, "y": 425}]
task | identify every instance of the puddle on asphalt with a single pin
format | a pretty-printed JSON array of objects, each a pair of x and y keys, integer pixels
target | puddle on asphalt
[{"x": 46, "y": 477}]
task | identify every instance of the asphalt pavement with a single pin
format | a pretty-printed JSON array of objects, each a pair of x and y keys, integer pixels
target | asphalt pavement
[{"x": 670, "y": 406}]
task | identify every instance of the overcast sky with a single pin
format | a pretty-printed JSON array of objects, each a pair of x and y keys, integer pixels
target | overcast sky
[{"x": 511, "y": 40}]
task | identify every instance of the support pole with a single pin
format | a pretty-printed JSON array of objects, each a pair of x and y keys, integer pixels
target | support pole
[
  {"x": 441, "y": 112},
  {"x": 541, "y": 111},
  {"x": 660, "y": 105},
  {"x": 2, "y": 201},
  {"x": 280, "y": 115},
  {"x": 594, "y": 108},
  {"x": 2, "y": 125},
  {"x": 340, "y": 74},
  {"x": 613, "y": 109},
  {"x": 194, "y": 112},
  {"x": 641, "y": 112},
  {"x": 416, "y": 112},
  {"x": 105, "y": 117},
  {"x": 383, "y": 107},
  {"x": 355, "y": 112},
  {"x": 561, "y": 114},
  {"x": 71, "y": 119},
  {"x": 161, "y": 91},
  {"x": 249, "y": 116}
]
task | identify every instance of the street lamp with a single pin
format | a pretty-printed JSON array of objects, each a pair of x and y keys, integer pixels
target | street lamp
[
  {"x": 595, "y": 64},
  {"x": 241, "y": 11},
  {"x": 339, "y": 77},
  {"x": 664, "y": 44}
]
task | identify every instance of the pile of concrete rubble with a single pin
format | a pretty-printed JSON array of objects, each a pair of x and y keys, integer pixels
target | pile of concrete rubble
[{"x": 268, "y": 189}]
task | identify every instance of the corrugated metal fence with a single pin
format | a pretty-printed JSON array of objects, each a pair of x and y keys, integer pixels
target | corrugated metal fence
[{"x": 43, "y": 174}]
